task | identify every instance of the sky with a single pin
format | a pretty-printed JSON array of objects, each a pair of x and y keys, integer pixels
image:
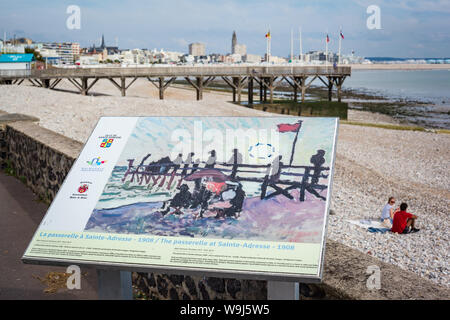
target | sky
[
  {"x": 407, "y": 28},
  {"x": 163, "y": 137}
]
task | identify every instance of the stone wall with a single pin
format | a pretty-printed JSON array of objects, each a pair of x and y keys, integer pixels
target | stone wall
[
  {"x": 39, "y": 156},
  {"x": 3, "y": 147},
  {"x": 43, "y": 158},
  {"x": 180, "y": 287}
]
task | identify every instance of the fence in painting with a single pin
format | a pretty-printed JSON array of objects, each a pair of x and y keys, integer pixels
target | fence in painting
[{"x": 170, "y": 175}]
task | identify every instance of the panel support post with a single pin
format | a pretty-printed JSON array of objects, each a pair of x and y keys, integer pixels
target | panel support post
[
  {"x": 114, "y": 285},
  {"x": 277, "y": 290}
]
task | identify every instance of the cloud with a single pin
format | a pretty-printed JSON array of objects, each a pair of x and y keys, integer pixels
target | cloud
[{"x": 173, "y": 24}]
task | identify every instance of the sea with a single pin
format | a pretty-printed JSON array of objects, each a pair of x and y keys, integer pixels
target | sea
[
  {"x": 427, "y": 90},
  {"x": 423, "y": 95}
]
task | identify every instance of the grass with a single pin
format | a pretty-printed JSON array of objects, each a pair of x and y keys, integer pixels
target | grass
[
  {"x": 394, "y": 127},
  {"x": 10, "y": 171}
]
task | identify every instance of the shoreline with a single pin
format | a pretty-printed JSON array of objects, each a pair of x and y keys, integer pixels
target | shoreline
[
  {"x": 370, "y": 163},
  {"x": 405, "y": 112},
  {"x": 399, "y": 66}
]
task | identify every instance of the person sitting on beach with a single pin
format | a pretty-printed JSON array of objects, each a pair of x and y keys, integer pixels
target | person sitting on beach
[
  {"x": 387, "y": 214},
  {"x": 404, "y": 221}
]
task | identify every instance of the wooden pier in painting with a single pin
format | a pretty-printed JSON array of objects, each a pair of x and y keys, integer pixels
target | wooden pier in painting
[{"x": 169, "y": 175}]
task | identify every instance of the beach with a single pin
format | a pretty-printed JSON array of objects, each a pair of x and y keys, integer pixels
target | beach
[{"x": 372, "y": 164}]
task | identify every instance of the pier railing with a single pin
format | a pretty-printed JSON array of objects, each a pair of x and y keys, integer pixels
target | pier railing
[
  {"x": 8, "y": 74},
  {"x": 176, "y": 71}
]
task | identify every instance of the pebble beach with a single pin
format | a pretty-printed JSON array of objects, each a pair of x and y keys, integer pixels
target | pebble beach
[{"x": 372, "y": 163}]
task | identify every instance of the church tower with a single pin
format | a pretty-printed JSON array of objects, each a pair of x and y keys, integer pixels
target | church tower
[
  {"x": 233, "y": 43},
  {"x": 103, "y": 42}
]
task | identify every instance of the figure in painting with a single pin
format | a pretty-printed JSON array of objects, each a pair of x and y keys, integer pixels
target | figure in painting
[
  {"x": 317, "y": 160},
  {"x": 235, "y": 196},
  {"x": 201, "y": 199},
  {"x": 211, "y": 160},
  {"x": 181, "y": 200}
]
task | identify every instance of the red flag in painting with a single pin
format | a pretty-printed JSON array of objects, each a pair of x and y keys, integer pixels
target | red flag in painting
[
  {"x": 342, "y": 36},
  {"x": 328, "y": 39},
  {"x": 285, "y": 127}
]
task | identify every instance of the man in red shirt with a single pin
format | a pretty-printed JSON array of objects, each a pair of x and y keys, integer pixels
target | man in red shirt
[{"x": 404, "y": 221}]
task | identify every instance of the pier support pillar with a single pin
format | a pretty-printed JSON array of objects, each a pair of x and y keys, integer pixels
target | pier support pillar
[
  {"x": 46, "y": 83},
  {"x": 338, "y": 82},
  {"x": 161, "y": 88},
  {"x": 84, "y": 86},
  {"x": 339, "y": 87},
  {"x": 199, "y": 88},
  {"x": 271, "y": 89},
  {"x": 303, "y": 88},
  {"x": 250, "y": 90},
  {"x": 261, "y": 90},
  {"x": 234, "y": 88},
  {"x": 265, "y": 89},
  {"x": 239, "y": 88},
  {"x": 295, "y": 83},
  {"x": 295, "y": 93},
  {"x": 330, "y": 88},
  {"x": 123, "y": 87}
]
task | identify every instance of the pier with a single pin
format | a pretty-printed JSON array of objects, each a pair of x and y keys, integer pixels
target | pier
[{"x": 267, "y": 78}]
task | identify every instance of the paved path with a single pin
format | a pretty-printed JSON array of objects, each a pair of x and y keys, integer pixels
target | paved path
[{"x": 20, "y": 215}]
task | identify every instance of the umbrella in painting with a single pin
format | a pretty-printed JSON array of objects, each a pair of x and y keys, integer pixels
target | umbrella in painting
[
  {"x": 215, "y": 175},
  {"x": 214, "y": 179}
]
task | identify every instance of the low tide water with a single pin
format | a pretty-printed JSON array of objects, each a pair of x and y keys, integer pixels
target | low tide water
[
  {"x": 427, "y": 90},
  {"x": 418, "y": 97}
]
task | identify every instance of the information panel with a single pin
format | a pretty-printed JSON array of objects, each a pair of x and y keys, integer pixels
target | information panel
[{"x": 212, "y": 195}]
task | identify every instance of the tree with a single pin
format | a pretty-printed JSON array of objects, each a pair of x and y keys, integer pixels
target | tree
[{"x": 37, "y": 55}]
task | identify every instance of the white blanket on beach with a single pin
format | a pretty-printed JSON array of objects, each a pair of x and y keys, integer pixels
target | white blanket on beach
[{"x": 364, "y": 223}]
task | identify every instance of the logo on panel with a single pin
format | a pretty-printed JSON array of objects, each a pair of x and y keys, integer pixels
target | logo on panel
[{"x": 82, "y": 191}]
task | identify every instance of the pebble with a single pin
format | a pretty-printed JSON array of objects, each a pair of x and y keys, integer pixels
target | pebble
[{"x": 371, "y": 164}]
